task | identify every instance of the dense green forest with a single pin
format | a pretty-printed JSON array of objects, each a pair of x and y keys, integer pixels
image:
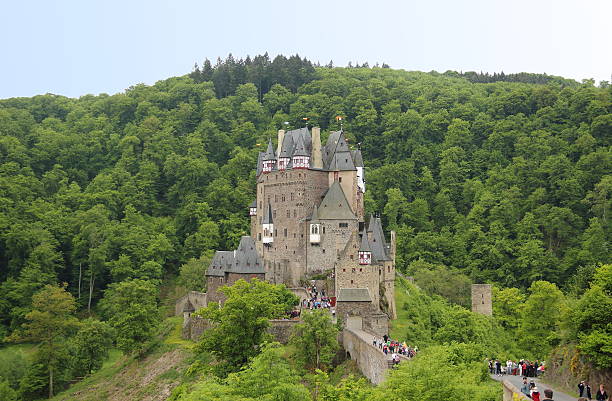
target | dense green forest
[{"x": 503, "y": 179}]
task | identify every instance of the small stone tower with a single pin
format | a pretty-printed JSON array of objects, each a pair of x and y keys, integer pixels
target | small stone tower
[{"x": 482, "y": 299}]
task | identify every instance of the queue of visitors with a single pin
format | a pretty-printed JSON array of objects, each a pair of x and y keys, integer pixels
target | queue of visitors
[
  {"x": 395, "y": 348},
  {"x": 316, "y": 299},
  {"x": 520, "y": 368}
]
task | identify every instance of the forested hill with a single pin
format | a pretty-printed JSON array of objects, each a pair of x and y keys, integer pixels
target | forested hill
[{"x": 504, "y": 182}]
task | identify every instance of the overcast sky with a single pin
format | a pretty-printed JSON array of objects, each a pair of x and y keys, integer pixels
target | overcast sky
[{"x": 79, "y": 47}]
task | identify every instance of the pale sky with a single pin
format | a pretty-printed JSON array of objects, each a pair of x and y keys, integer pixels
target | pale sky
[{"x": 80, "y": 47}]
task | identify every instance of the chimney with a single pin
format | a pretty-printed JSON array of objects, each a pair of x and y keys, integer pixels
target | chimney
[
  {"x": 316, "y": 160},
  {"x": 281, "y": 137},
  {"x": 393, "y": 245}
]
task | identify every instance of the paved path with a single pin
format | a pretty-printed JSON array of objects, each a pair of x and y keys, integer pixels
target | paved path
[{"x": 518, "y": 382}]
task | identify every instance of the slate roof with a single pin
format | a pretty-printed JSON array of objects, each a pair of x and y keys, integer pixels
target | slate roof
[
  {"x": 378, "y": 244},
  {"x": 253, "y": 204},
  {"x": 243, "y": 260},
  {"x": 246, "y": 258},
  {"x": 357, "y": 158},
  {"x": 267, "y": 217},
  {"x": 300, "y": 147},
  {"x": 365, "y": 244},
  {"x": 354, "y": 295},
  {"x": 334, "y": 205},
  {"x": 336, "y": 153},
  {"x": 270, "y": 154},
  {"x": 259, "y": 164},
  {"x": 220, "y": 263}
]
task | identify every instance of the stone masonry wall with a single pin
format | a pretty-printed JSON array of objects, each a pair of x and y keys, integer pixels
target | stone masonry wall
[
  {"x": 481, "y": 299},
  {"x": 282, "y": 329},
  {"x": 371, "y": 362},
  {"x": 198, "y": 300}
]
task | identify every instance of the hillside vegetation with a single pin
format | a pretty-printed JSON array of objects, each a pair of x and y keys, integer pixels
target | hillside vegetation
[{"x": 505, "y": 182}]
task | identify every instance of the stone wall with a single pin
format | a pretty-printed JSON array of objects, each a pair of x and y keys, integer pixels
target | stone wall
[
  {"x": 372, "y": 363},
  {"x": 282, "y": 329},
  {"x": 377, "y": 324},
  {"x": 198, "y": 300},
  {"x": 481, "y": 299},
  {"x": 348, "y": 309}
]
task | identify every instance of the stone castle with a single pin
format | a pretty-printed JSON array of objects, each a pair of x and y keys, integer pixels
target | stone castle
[{"x": 308, "y": 221}]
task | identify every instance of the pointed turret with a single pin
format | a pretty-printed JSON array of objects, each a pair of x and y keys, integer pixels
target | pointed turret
[
  {"x": 365, "y": 250},
  {"x": 269, "y": 158},
  {"x": 301, "y": 158}
]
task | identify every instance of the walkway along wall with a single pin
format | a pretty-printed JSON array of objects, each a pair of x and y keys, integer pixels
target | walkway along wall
[{"x": 372, "y": 362}]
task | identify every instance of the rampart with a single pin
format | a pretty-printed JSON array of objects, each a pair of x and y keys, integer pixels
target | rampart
[{"x": 372, "y": 362}]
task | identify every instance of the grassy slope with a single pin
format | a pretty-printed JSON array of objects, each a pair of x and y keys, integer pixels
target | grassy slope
[{"x": 127, "y": 378}]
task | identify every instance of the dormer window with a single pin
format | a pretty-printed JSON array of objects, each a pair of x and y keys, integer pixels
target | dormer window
[{"x": 253, "y": 211}]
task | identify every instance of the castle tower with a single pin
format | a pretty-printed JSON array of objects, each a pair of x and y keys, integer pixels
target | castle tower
[{"x": 482, "y": 299}]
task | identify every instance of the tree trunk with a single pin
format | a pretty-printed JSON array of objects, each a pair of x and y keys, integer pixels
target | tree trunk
[
  {"x": 80, "y": 270},
  {"x": 50, "y": 381},
  {"x": 91, "y": 284}
]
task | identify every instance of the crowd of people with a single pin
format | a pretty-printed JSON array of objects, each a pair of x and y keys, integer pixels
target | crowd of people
[
  {"x": 316, "y": 299},
  {"x": 584, "y": 392},
  {"x": 516, "y": 368},
  {"x": 395, "y": 348},
  {"x": 531, "y": 390}
]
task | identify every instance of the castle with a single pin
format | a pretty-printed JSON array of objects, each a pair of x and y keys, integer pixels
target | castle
[{"x": 308, "y": 220}]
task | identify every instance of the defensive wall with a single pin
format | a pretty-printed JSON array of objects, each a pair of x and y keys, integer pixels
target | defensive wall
[
  {"x": 372, "y": 362},
  {"x": 197, "y": 299},
  {"x": 281, "y": 329}
]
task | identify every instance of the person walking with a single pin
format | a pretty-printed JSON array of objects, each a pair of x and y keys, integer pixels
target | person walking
[
  {"x": 581, "y": 388},
  {"x": 601, "y": 394},
  {"x": 535, "y": 393},
  {"x": 587, "y": 389},
  {"x": 525, "y": 387}
]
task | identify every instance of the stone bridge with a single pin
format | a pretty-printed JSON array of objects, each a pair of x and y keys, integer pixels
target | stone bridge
[{"x": 372, "y": 362}]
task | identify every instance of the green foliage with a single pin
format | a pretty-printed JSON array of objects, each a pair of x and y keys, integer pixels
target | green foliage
[
  {"x": 13, "y": 365},
  {"x": 192, "y": 274},
  {"x": 440, "y": 280},
  {"x": 130, "y": 307},
  {"x": 90, "y": 346},
  {"x": 540, "y": 318},
  {"x": 268, "y": 377},
  {"x": 6, "y": 392},
  {"x": 315, "y": 340},
  {"x": 239, "y": 325},
  {"x": 453, "y": 372}
]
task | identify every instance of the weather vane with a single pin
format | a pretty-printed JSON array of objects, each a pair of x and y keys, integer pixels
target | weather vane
[{"x": 339, "y": 119}]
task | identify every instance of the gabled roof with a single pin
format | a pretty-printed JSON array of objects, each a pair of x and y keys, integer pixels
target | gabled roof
[
  {"x": 221, "y": 262},
  {"x": 246, "y": 258},
  {"x": 354, "y": 295},
  {"x": 337, "y": 155},
  {"x": 365, "y": 244},
  {"x": 334, "y": 205},
  {"x": 300, "y": 148},
  {"x": 253, "y": 204},
  {"x": 267, "y": 217},
  {"x": 287, "y": 146},
  {"x": 269, "y": 155},
  {"x": 378, "y": 244}
]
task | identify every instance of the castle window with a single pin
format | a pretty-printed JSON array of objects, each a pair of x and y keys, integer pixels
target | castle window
[
  {"x": 260, "y": 204},
  {"x": 323, "y": 250},
  {"x": 344, "y": 270},
  {"x": 283, "y": 198},
  {"x": 389, "y": 269},
  {"x": 274, "y": 212},
  {"x": 351, "y": 281},
  {"x": 292, "y": 195},
  {"x": 259, "y": 236},
  {"x": 293, "y": 235},
  {"x": 342, "y": 225},
  {"x": 323, "y": 229},
  {"x": 288, "y": 213},
  {"x": 339, "y": 179},
  {"x": 360, "y": 269},
  {"x": 351, "y": 257},
  {"x": 285, "y": 232}
]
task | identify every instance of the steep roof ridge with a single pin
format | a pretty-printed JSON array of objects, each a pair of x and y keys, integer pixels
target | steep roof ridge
[
  {"x": 379, "y": 246},
  {"x": 335, "y": 205},
  {"x": 267, "y": 217},
  {"x": 365, "y": 244},
  {"x": 300, "y": 147},
  {"x": 287, "y": 146},
  {"x": 220, "y": 263},
  {"x": 259, "y": 162},
  {"x": 270, "y": 154},
  {"x": 247, "y": 258}
]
